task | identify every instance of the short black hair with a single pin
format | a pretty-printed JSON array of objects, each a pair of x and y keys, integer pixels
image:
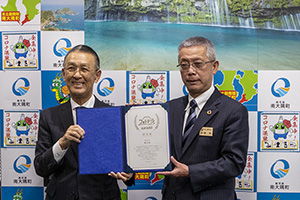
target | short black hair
[{"x": 85, "y": 49}]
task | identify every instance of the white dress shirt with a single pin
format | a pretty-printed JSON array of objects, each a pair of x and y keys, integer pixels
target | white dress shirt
[{"x": 200, "y": 100}]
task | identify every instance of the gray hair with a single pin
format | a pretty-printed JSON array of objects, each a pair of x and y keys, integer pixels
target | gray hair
[{"x": 200, "y": 41}]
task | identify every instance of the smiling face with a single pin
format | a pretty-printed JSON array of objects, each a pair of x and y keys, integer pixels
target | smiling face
[
  {"x": 80, "y": 74},
  {"x": 197, "y": 81}
]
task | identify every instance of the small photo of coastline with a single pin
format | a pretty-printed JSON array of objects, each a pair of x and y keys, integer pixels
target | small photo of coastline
[{"x": 62, "y": 15}]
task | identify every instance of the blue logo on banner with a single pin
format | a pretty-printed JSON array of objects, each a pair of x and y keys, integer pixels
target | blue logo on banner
[
  {"x": 107, "y": 90},
  {"x": 184, "y": 90},
  {"x": 151, "y": 198},
  {"x": 280, "y": 173},
  {"x": 63, "y": 50},
  {"x": 281, "y": 91},
  {"x": 20, "y": 91},
  {"x": 24, "y": 167}
]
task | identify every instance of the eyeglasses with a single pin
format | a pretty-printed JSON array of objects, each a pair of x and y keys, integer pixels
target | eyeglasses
[
  {"x": 197, "y": 65},
  {"x": 72, "y": 69}
]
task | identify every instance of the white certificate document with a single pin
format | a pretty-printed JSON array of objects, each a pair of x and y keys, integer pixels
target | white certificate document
[{"x": 147, "y": 137}]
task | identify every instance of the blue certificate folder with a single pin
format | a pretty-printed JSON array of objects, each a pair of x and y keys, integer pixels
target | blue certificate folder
[{"x": 103, "y": 148}]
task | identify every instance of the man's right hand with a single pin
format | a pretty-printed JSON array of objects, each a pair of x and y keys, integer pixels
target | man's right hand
[{"x": 74, "y": 133}]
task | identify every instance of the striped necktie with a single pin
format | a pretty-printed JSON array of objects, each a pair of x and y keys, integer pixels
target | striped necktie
[{"x": 191, "y": 119}]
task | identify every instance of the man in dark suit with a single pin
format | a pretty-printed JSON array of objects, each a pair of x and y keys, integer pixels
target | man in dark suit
[
  {"x": 56, "y": 154},
  {"x": 209, "y": 137}
]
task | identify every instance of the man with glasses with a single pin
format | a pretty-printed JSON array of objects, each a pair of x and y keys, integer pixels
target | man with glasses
[
  {"x": 56, "y": 153},
  {"x": 208, "y": 131}
]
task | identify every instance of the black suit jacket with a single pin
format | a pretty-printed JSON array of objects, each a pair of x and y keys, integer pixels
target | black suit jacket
[
  {"x": 65, "y": 183},
  {"x": 214, "y": 161}
]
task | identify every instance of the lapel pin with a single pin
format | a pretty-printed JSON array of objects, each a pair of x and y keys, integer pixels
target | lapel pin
[{"x": 208, "y": 112}]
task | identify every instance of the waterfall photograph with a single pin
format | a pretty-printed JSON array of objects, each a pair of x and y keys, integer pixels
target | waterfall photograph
[{"x": 144, "y": 34}]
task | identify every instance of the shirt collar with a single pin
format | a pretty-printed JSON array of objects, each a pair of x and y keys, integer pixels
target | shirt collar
[
  {"x": 88, "y": 104},
  {"x": 202, "y": 98}
]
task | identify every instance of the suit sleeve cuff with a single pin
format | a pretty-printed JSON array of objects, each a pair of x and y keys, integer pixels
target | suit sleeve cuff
[
  {"x": 194, "y": 177},
  {"x": 58, "y": 153},
  {"x": 131, "y": 181}
]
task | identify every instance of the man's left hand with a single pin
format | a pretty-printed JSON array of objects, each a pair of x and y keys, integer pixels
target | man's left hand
[{"x": 180, "y": 169}]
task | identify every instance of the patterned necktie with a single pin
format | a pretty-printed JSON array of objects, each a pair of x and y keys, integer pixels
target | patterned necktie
[{"x": 190, "y": 120}]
